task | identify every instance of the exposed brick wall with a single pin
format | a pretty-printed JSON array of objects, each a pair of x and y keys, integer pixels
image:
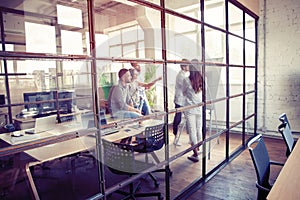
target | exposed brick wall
[{"x": 279, "y": 63}]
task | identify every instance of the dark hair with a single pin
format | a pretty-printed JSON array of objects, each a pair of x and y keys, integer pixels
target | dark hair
[
  {"x": 195, "y": 78},
  {"x": 184, "y": 64},
  {"x": 132, "y": 71},
  {"x": 122, "y": 72}
]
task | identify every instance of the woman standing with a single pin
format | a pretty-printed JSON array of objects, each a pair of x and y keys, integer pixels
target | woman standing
[{"x": 193, "y": 92}]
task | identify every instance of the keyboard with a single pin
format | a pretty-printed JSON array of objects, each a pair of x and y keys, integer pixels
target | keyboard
[
  {"x": 44, "y": 114},
  {"x": 109, "y": 131},
  {"x": 33, "y": 131}
]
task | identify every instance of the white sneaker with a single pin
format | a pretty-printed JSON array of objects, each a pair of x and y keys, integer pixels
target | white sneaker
[{"x": 176, "y": 141}]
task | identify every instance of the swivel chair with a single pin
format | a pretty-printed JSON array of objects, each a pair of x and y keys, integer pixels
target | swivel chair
[
  {"x": 153, "y": 140},
  {"x": 262, "y": 163},
  {"x": 283, "y": 118},
  {"x": 120, "y": 160},
  {"x": 286, "y": 133}
]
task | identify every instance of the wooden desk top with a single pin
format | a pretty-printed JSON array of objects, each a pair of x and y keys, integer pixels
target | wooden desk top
[
  {"x": 131, "y": 130},
  {"x": 287, "y": 185},
  {"x": 29, "y": 118},
  {"x": 49, "y": 152}
]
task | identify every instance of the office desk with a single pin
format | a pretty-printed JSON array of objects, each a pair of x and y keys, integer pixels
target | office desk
[
  {"x": 131, "y": 130},
  {"x": 28, "y": 122},
  {"x": 287, "y": 184},
  {"x": 69, "y": 147},
  {"x": 52, "y": 151}
]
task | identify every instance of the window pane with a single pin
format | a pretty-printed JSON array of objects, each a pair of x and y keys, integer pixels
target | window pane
[
  {"x": 214, "y": 13},
  {"x": 250, "y": 28},
  {"x": 250, "y": 53},
  {"x": 235, "y": 20},
  {"x": 38, "y": 42},
  {"x": 71, "y": 42},
  {"x": 236, "y": 80},
  {"x": 69, "y": 16},
  {"x": 250, "y": 79},
  {"x": 184, "y": 42},
  {"x": 214, "y": 46},
  {"x": 128, "y": 26},
  {"x": 235, "y": 50}
]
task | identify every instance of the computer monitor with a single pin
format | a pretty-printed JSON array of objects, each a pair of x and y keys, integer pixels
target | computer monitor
[
  {"x": 2, "y": 99},
  {"x": 65, "y": 101},
  {"x": 35, "y": 98}
]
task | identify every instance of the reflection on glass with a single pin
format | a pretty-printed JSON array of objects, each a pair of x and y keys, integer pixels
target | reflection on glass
[
  {"x": 236, "y": 108},
  {"x": 37, "y": 42},
  {"x": 69, "y": 16},
  {"x": 235, "y": 50},
  {"x": 235, "y": 20},
  {"x": 214, "y": 46},
  {"x": 135, "y": 34},
  {"x": 249, "y": 104},
  {"x": 250, "y": 53},
  {"x": 250, "y": 27},
  {"x": 236, "y": 80},
  {"x": 183, "y": 41},
  {"x": 71, "y": 42},
  {"x": 214, "y": 13},
  {"x": 188, "y": 8},
  {"x": 250, "y": 79}
]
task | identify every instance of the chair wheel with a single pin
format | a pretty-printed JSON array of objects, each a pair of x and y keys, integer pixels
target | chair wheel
[{"x": 157, "y": 184}]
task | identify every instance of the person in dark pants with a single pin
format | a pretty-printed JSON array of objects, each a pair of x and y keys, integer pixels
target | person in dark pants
[{"x": 179, "y": 99}]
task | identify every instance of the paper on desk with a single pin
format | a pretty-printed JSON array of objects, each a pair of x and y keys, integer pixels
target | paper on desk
[{"x": 24, "y": 138}]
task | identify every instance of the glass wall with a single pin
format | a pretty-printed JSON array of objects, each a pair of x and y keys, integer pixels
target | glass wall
[{"x": 67, "y": 59}]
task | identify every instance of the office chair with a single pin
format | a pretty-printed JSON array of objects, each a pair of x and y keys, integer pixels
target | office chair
[
  {"x": 153, "y": 140},
  {"x": 262, "y": 163},
  {"x": 283, "y": 118},
  {"x": 120, "y": 160},
  {"x": 286, "y": 133}
]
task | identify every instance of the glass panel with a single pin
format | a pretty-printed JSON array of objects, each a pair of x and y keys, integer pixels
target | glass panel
[
  {"x": 250, "y": 79},
  {"x": 43, "y": 18},
  {"x": 42, "y": 76},
  {"x": 236, "y": 115},
  {"x": 130, "y": 32},
  {"x": 250, "y": 27},
  {"x": 236, "y": 109},
  {"x": 250, "y": 111},
  {"x": 188, "y": 8},
  {"x": 235, "y": 50},
  {"x": 184, "y": 41},
  {"x": 216, "y": 151},
  {"x": 214, "y": 46},
  {"x": 37, "y": 42},
  {"x": 236, "y": 80},
  {"x": 153, "y": 1},
  {"x": 69, "y": 16},
  {"x": 71, "y": 42},
  {"x": 249, "y": 131},
  {"x": 216, "y": 123},
  {"x": 250, "y": 105},
  {"x": 235, "y": 20},
  {"x": 214, "y": 13},
  {"x": 250, "y": 53}
]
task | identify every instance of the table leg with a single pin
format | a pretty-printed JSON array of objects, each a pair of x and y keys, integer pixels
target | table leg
[{"x": 31, "y": 182}]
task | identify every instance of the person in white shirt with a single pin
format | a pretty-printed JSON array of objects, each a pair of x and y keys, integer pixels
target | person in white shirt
[
  {"x": 179, "y": 99},
  {"x": 138, "y": 88},
  {"x": 192, "y": 87}
]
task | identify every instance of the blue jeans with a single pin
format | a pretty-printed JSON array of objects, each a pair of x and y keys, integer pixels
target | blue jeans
[
  {"x": 177, "y": 120},
  {"x": 144, "y": 107},
  {"x": 126, "y": 114}
]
